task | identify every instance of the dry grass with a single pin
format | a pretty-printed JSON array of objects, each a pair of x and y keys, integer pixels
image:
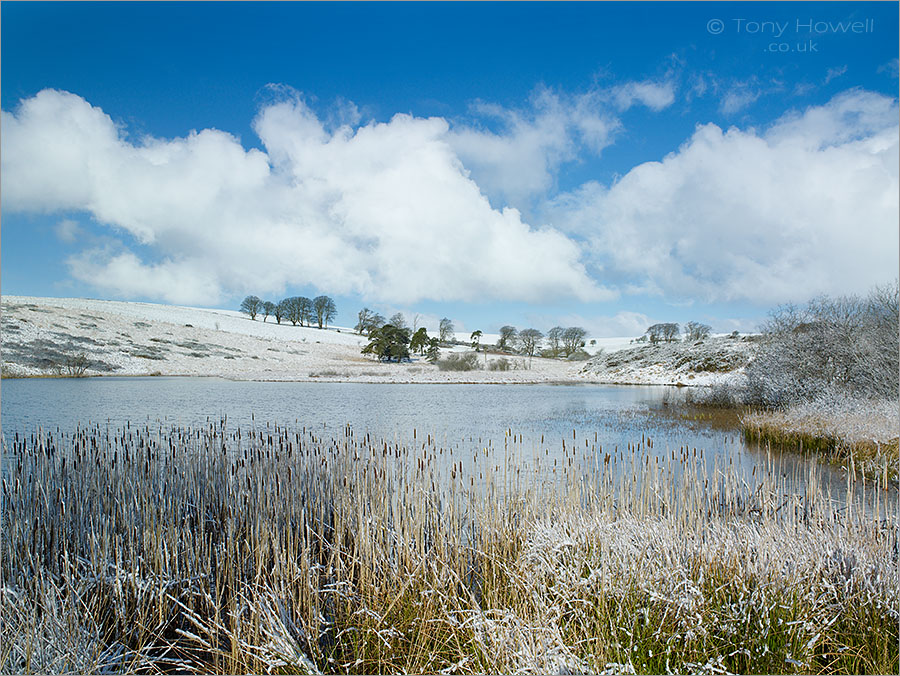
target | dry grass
[
  {"x": 863, "y": 435},
  {"x": 288, "y": 551}
]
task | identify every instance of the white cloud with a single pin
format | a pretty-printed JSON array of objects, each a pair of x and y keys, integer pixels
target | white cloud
[
  {"x": 183, "y": 282},
  {"x": 654, "y": 95},
  {"x": 67, "y": 230},
  {"x": 738, "y": 97},
  {"x": 892, "y": 68},
  {"x": 521, "y": 159},
  {"x": 699, "y": 83},
  {"x": 833, "y": 73},
  {"x": 385, "y": 210},
  {"x": 808, "y": 206},
  {"x": 391, "y": 211},
  {"x": 854, "y": 115},
  {"x": 518, "y": 162}
]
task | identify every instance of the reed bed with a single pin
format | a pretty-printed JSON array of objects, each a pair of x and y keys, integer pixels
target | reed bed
[{"x": 281, "y": 550}]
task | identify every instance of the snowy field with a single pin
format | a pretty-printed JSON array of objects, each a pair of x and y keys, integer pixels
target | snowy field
[
  {"x": 40, "y": 336},
  {"x": 124, "y": 338}
]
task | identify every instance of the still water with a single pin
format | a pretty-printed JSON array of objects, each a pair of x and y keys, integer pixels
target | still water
[
  {"x": 545, "y": 421},
  {"x": 452, "y": 412}
]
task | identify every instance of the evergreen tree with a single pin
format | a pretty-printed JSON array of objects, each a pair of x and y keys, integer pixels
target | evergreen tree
[{"x": 388, "y": 343}]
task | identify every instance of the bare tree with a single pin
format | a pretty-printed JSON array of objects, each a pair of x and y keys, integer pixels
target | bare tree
[
  {"x": 293, "y": 310},
  {"x": 573, "y": 339},
  {"x": 554, "y": 337},
  {"x": 696, "y": 331},
  {"x": 880, "y": 344},
  {"x": 508, "y": 336},
  {"x": 530, "y": 339},
  {"x": 445, "y": 332},
  {"x": 268, "y": 308},
  {"x": 833, "y": 347},
  {"x": 251, "y": 306},
  {"x": 363, "y": 317},
  {"x": 324, "y": 309},
  {"x": 305, "y": 310},
  {"x": 665, "y": 331},
  {"x": 368, "y": 321},
  {"x": 397, "y": 319},
  {"x": 670, "y": 332}
]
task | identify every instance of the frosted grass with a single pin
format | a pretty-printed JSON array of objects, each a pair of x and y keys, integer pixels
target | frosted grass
[{"x": 275, "y": 550}]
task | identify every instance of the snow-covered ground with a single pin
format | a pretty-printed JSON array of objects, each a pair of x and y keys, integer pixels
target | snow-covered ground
[
  {"x": 228, "y": 321},
  {"x": 121, "y": 338},
  {"x": 713, "y": 361},
  {"x": 41, "y": 335}
]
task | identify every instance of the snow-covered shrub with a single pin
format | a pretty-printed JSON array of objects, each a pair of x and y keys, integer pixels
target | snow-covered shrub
[
  {"x": 459, "y": 362},
  {"x": 839, "y": 346},
  {"x": 502, "y": 364}
]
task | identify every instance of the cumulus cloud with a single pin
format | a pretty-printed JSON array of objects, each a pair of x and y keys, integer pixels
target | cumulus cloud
[
  {"x": 398, "y": 211},
  {"x": 124, "y": 274},
  {"x": 810, "y": 205},
  {"x": 516, "y": 162},
  {"x": 385, "y": 210}
]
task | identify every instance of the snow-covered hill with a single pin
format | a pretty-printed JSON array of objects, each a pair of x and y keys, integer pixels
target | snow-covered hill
[
  {"x": 41, "y": 336},
  {"x": 718, "y": 359}
]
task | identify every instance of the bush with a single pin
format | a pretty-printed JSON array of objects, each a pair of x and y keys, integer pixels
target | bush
[
  {"x": 833, "y": 346},
  {"x": 721, "y": 395},
  {"x": 73, "y": 365},
  {"x": 459, "y": 362},
  {"x": 503, "y": 364}
]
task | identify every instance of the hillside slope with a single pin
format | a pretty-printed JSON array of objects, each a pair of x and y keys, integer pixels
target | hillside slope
[
  {"x": 705, "y": 362},
  {"x": 42, "y": 336}
]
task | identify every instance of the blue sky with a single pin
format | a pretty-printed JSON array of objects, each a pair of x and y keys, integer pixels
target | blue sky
[{"x": 601, "y": 164}]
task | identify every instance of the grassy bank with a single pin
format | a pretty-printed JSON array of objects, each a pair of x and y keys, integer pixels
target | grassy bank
[
  {"x": 862, "y": 435},
  {"x": 274, "y": 550}
]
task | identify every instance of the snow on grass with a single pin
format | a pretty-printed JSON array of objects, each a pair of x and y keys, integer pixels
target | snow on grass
[
  {"x": 227, "y": 321},
  {"x": 126, "y": 338},
  {"x": 302, "y": 552},
  {"x": 862, "y": 433},
  {"x": 122, "y": 338}
]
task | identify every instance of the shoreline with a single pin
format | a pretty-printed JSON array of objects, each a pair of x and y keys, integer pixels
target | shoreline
[
  {"x": 865, "y": 443},
  {"x": 557, "y": 383}
]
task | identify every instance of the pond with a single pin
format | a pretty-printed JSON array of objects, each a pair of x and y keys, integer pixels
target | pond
[{"x": 531, "y": 427}]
